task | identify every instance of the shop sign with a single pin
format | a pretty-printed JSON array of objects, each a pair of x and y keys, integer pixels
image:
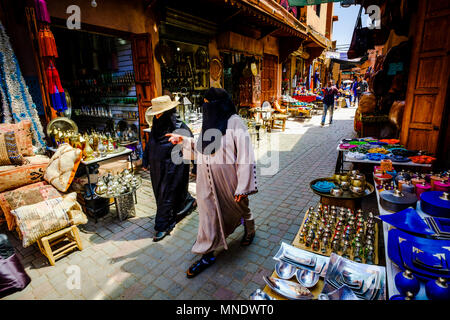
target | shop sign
[{"x": 332, "y": 55}]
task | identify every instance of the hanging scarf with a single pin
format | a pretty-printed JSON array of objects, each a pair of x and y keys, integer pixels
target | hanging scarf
[
  {"x": 216, "y": 113},
  {"x": 47, "y": 43},
  {"x": 41, "y": 11},
  {"x": 55, "y": 90},
  {"x": 17, "y": 104}
]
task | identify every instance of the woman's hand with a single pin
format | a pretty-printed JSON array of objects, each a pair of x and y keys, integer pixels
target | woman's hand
[
  {"x": 240, "y": 197},
  {"x": 174, "y": 138}
]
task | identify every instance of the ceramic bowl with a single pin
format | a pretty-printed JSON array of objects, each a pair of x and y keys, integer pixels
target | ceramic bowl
[
  {"x": 307, "y": 278},
  {"x": 285, "y": 270}
]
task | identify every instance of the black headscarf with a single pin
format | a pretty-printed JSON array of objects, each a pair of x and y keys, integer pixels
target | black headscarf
[
  {"x": 216, "y": 113},
  {"x": 166, "y": 123}
]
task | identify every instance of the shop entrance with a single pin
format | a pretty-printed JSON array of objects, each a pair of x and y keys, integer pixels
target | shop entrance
[{"x": 96, "y": 71}]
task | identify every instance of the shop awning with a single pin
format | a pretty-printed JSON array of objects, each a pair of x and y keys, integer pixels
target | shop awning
[
  {"x": 309, "y": 2},
  {"x": 271, "y": 12}
]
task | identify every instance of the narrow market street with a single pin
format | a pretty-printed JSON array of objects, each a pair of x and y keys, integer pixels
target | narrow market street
[{"x": 120, "y": 260}]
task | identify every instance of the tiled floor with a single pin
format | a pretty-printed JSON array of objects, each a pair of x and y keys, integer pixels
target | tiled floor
[{"x": 120, "y": 260}]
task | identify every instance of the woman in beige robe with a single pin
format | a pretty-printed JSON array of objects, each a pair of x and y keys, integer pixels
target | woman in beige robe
[{"x": 226, "y": 175}]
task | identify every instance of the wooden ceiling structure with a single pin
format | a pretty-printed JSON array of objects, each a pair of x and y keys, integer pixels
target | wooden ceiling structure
[{"x": 252, "y": 18}]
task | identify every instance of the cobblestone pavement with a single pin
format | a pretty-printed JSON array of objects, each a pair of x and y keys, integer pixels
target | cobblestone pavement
[{"x": 120, "y": 260}]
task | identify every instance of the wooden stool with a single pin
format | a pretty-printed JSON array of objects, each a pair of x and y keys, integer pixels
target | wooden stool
[
  {"x": 69, "y": 235},
  {"x": 279, "y": 121}
]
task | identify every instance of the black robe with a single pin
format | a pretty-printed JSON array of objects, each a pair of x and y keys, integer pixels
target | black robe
[{"x": 169, "y": 181}]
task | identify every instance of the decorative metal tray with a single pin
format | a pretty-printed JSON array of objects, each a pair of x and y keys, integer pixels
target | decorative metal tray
[
  {"x": 346, "y": 194},
  {"x": 289, "y": 289},
  {"x": 62, "y": 123},
  {"x": 302, "y": 259}
]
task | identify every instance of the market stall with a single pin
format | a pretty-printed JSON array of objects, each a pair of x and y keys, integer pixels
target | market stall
[
  {"x": 324, "y": 262},
  {"x": 416, "y": 219}
]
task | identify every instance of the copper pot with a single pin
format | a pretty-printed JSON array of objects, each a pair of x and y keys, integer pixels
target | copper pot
[
  {"x": 357, "y": 190},
  {"x": 344, "y": 185},
  {"x": 337, "y": 192},
  {"x": 358, "y": 183}
]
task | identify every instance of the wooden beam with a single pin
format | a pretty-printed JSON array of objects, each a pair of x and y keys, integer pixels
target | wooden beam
[
  {"x": 232, "y": 16},
  {"x": 268, "y": 32}
]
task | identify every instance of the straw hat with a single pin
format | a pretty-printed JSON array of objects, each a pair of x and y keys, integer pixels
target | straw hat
[{"x": 161, "y": 104}]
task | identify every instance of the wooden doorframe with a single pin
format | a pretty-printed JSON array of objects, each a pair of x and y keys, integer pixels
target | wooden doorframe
[
  {"x": 145, "y": 79},
  {"x": 437, "y": 94},
  {"x": 274, "y": 82}
]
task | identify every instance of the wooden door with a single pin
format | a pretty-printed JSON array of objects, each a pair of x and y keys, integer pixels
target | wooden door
[
  {"x": 269, "y": 78},
  {"x": 144, "y": 75},
  {"x": 428, "y": 77}
]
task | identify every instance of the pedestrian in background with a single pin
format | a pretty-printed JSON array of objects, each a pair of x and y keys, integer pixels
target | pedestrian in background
[
  {"x": 354, "y": 90},
  {"x": 328, "y": 101}
]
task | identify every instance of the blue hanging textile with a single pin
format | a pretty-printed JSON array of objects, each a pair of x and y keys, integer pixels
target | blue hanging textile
[{"x": 17, "y": 104}]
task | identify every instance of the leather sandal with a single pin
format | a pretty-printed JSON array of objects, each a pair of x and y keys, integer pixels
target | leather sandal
[
  {"x": 199, "y": 266},
  {"x": 247, "y": 239}
]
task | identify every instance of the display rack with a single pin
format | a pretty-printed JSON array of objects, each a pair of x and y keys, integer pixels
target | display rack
[{"x": 391, "y": 268}]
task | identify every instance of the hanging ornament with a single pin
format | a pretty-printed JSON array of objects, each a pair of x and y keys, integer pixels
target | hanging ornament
[
  {"x": 56, "y": 91},
  {"x": 41, "y": 11},
  {"x": 47, "y": 43}
]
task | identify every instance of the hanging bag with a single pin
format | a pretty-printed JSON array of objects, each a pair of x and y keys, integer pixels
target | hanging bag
[{"x": 361, "y": 39}]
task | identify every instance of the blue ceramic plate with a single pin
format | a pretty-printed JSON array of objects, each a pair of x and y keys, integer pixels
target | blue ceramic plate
[
  {"x": 408, "y": 220},
  {"x": 399, "y": 158},
  {"x": 427, "y": 258}
]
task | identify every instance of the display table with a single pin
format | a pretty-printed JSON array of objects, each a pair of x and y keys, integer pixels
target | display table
[
  {"x": 342, "y": 157},
  {"x": 317, "y": 289},
  {"x": 391, "y": 268},
  {"x": 90, "y": 164}
]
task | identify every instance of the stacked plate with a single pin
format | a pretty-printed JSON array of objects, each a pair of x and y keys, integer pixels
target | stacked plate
[
  {"x": 306, "y": 266},
  {"x": 368, "y": 282},
  {"x": 343, "y": 293},
  {"x": 302, "y": 259},
  {"x": 441, "y": 227},
  {"x": 410, "y": 221},
  {"x": 428, "y": 259}
]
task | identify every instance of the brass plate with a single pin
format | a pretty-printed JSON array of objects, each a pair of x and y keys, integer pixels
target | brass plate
[
  {"x": 62, "y": 123},
  {"x": 216, "y": 69}
]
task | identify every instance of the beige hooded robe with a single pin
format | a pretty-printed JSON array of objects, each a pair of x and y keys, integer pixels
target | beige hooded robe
[{"x": 229, "y": 172}]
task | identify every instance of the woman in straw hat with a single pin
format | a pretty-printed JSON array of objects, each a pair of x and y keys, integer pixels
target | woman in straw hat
[
  {"x": 226, "y": 175},
  {"x": 169, "y": 180}
]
